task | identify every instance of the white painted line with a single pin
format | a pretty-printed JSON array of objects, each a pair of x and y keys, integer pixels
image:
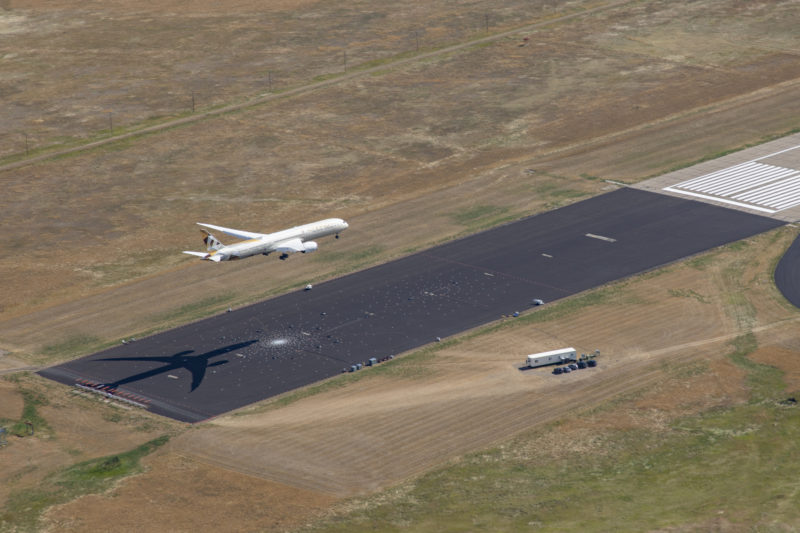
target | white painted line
[
  {"x": 548, "y": 256},
  {"x": 766, "y": 188},
  {"x": 736, "y": 169},
  {"x": 600, "y": 237},
  {"x": 776, "y": 153},
  {"x": 743, "y": 170},
  {"x": 754, "y": 180},
  {"x": 789, "y": 201},
  {"x": 765, "y": 197},
  {"x": 721, "y": 184},
  {"x": 721, "y": 200},
  {"x": 769, "y": 199},
  {"x": 752, "y": 177},
  {"x": 780, "y": 191},
  {"x": 789, "y": 182},
  {"x": 759, "y": 178},
  {"x": 724, "y": 173}
]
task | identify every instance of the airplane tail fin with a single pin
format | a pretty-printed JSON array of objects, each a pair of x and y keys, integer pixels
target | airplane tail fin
[{"x": 212, "y": 243}]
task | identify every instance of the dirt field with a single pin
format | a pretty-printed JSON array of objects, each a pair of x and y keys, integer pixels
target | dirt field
[
  {"x": 410, "y": 155},
  {"x": 520, "y": 128},
  {"x": 391, "y": 426},
  {"x": 385, "y": 430},
  {"x": 222, "y": 500},
  {"x": 78, "y": 429}
]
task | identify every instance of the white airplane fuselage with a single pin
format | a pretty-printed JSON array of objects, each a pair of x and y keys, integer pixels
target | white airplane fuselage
[{"x": 296, "y": 239}]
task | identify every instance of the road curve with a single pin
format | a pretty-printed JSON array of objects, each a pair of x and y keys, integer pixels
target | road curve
[{"x": 787, "y": 274}]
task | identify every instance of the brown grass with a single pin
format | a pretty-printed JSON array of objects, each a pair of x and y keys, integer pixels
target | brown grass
[
  {"x": 586, "y": 98},
  {"x": 92, "y": 240},
  {"x": 668, "y": 332},
  {"x": 389, "y": 427}
]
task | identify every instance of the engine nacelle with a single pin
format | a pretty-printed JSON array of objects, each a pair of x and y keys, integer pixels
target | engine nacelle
[{"x": 309, "y": 246}]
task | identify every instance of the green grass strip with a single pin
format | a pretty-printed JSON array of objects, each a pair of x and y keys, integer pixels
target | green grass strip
[{"x": 24, "y": 508}]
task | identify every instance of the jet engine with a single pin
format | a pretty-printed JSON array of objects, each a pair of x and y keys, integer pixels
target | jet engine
[{"x": 309, "y": 246}]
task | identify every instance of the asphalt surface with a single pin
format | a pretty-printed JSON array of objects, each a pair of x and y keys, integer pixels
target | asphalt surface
[
  {"x": 231, "y": 360},
  {"x": 787, "y": 274}
]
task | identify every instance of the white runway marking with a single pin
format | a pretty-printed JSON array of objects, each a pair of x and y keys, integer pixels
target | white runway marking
[
  {"x": 600, "y": 237},
  {"x": 754, "y": 185}
]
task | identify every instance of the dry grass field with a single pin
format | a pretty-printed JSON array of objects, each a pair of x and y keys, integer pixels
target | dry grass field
[
  {"x": 664, "y": 339},
  {"x": 385, "y": 429},
  {"x": 516, "y": 128},
  {"x": 414, "y": 127}
]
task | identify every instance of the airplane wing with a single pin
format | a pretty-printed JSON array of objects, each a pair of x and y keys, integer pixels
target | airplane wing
[
  {"x": 239, "y": 234},
  {"x": 290, "y": 246}
]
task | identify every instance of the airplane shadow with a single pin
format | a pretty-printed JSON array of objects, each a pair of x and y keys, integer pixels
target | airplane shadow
[{"x": 196, "y": 364}]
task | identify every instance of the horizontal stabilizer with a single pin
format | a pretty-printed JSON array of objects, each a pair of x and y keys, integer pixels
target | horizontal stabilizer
[
  {"x": 213, "y": 256},
  {"x": 198, "y": 254}
]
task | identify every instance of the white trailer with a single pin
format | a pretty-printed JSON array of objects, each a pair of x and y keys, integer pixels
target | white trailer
[{"x": 553, "y": 357}]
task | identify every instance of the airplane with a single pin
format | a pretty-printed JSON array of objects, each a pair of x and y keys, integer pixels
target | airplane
[{"x": 297, "y": 239}]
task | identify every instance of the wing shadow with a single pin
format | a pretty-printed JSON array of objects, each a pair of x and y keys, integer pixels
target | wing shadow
[{"x": 196, "y": 364}]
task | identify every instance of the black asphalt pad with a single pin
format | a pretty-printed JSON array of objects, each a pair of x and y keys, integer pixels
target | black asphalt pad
[{"x": 234, "y": 359}]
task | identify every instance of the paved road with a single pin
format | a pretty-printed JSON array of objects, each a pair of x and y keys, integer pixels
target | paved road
[
  {"x": 787, "y": 274},
  {"x": 234, "y": 359}
]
